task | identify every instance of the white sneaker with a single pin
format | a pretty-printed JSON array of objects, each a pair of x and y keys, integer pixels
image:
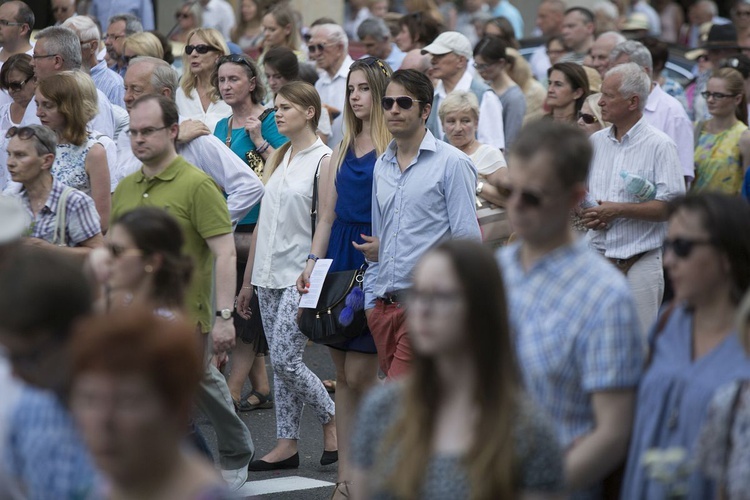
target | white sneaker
[{"x": 235, "y": 478}]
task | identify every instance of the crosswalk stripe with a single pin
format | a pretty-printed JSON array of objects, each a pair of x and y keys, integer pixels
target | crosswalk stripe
[{"x": 281, "y": 484}]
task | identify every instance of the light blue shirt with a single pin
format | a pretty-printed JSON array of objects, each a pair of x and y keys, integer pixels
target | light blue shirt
[
  {"x": 509, "y": 12},
  {"x": 109, "y": 82},
  {"x": 414, "y": 210},
  {"x": 103, "y": 10}
]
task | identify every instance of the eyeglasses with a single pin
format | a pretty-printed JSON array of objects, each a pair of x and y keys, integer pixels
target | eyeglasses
[
  {"x": 236, "y": 59},
  {"x": 318, "y": 47},
  {"x": 3, "y": 22},
  {"x": 181, "y": 15},
  {"x": 587, "y": 118},
  {"x": 37, "y": 56},
  {"x": 481, "y": 67},
  {"x": 145, "y": 132},
  {"x": 201, "y": 49},
  {"x": 404, "y": 102},
  {"x": 528, "y": 198},
  {"x": 716, "y": 95},
  {"x": 370, "y": 62},
  {"x": 16, "y": 86},
  {"x": 118, "y": 251},
  {"x": 26, "y": 133},
  {"x": 683, "y": 247},
  {"x": 742, "y": 13},
  {"x": 113, "y": 36}
]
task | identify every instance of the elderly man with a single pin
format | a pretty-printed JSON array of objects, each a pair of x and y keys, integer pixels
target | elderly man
[
  {"x": 627, "y": 229},
  {"x": 106, "y": 10},
  {"x": 120, "y": 26},
  {"x": 62, "y": 10},
  {"x": 109, "y": 82},
  {"x": 451, "y": 52},
  {"x": 662, "y": 111},
  {"x": 578, "y": 33},
  {"x": 167, "y": 180},
  {"x": 602, "y": 48},
  {"x": 376, "y": 37},
  {"x": 549, "y": 19},
  {"x": 328, "y": 47}
]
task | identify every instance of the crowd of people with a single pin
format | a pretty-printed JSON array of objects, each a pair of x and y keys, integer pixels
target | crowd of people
[{"x": 549, "y": 256}]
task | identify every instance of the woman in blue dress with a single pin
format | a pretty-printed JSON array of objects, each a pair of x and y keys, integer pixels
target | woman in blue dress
[
  {"x": 345, "y": 220},
  {"x": 707, "y": 254},
  {"x": 251, "y": 129}
]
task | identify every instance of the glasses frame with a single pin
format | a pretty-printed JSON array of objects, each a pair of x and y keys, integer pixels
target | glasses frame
[
  {"x": 372, "y": 61},
  {"x": 202, "y": 49},
  {"x": 395, "y": 100},
  {"x": 317, "y": 47},
  {"x": 716, "y": 95},
  {"x": 587, "y": 118},
  {"x": 18, "y": 86},
  {"x": 235, "y": 59},
  {"x": 145, "y": 132},
  {"x": 683, "y": 247},
  {"x": 3, "y": 22},
  {"x": 528, "y": 198}
]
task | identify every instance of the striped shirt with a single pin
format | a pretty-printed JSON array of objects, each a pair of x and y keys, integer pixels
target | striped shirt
[
  {"x": 109, "y": 82},
  {"x": 643, "y": 151}
]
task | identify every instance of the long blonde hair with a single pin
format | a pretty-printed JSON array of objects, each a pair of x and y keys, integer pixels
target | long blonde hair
[
  {"x": 213, "y": 39},
  {"x": 303, "y": 95},
  {"x": 378, "y": 74}
]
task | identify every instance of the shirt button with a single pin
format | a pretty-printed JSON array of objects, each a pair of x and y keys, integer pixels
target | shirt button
[{"x": 145, "y": 195}]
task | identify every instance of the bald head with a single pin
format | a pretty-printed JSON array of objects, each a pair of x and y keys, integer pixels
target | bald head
[{"x": 416, "y": 60}]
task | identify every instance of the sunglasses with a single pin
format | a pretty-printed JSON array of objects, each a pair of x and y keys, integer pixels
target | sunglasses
[
  {"x": 181, "y": 15},
  {"x": 683, "y": 247},
  {"x": 16, "y": 86},
  {"x": 587, "y": 118},
  {"x": 528, "y": 198},
  {"x": 26, "y": 133},
  {"x": 236, "y": 59},
  {"x": 318, "y": 47},
  {"x": 404, "y": 102},
  {"x": 201, "y": 49},
  {"x": 370, "y": 62}
]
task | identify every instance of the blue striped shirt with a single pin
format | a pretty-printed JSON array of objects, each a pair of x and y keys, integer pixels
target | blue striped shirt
[{"x": 109, "y": 82}]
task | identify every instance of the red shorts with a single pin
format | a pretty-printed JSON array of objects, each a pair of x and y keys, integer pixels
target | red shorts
[{"x": 388, "y": 326}]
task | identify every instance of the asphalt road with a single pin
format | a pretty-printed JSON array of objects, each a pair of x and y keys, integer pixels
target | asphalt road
[{"x": 262, "y": 425}]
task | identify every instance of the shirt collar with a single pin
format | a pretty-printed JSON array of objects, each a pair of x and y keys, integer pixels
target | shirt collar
[
  {"x": 343, "y": 71},
  {"x": 165, "y": 175},
  {"x": 556, "y": 255},
  {"x": 428, "y": 144},
  {"x": 52, "y": 199},
  {"x": 634, "y": 130},
  {"x": 653, "y": 98},
  {"x": 464, "y": 83}
]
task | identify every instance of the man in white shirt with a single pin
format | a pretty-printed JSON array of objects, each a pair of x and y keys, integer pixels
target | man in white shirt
[
  {"x": 627, "y": 229},
  {"x": 662, "y": 111},
  {"x": 328, "y": 47},
  {"x": 549, "y": 19},
  {"x": 219, "y": 15},
  {"x": 451, "y": 52}
]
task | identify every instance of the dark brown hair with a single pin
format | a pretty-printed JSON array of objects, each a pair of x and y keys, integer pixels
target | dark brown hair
[
  {"x": 576, "y": 77},
  {"x": 18, "y": 62}
]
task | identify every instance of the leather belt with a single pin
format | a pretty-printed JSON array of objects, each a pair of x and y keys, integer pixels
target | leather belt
[
  {"x": 624, "y": 265},
  {"x": 391, "y": 298}
]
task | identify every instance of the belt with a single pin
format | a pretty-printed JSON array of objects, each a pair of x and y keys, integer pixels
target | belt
[
  {"x": 624, "y": 265},
  {"x": 391, "y": 298}
]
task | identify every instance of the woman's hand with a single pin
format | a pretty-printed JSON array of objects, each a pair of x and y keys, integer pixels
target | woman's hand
[
  {"x": 303, "y": 282},
  {"x": 252, "y": 127},
  {"x": 243, "y": 301}
]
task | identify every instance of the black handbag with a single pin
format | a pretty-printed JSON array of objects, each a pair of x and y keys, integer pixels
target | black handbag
[{"x": 340, "y": 313}]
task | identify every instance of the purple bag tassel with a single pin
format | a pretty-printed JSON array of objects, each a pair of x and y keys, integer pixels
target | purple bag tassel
[{"x": 355, "y": 301}]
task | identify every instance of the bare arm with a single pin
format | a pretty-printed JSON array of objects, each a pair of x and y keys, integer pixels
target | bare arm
[
  {"x": 83, "y": 249},
  {"x": 490, "y": 192},
  {"x": 98, "y": 172},
  {"x": 222, "y": 247},
  {"x": 593, "y": 456},
  {"x": 603, "y": 214}
]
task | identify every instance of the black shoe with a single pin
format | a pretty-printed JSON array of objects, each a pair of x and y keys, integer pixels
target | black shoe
[
  {"x": 261, "y": 465},
  {"x": 329, "y": 457}
]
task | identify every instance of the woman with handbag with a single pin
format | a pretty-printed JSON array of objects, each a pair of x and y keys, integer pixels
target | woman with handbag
[
  {"x": 344, "y": 217},
  {"x": 252, "y": 134},
  {"x": 277, "y": 255}
]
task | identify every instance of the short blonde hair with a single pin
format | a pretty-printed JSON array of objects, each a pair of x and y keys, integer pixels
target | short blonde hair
[
  {"x": 144, "y": 44},
  {"x": 592, "y": 102},
  {"x": 459, "y": 101}
]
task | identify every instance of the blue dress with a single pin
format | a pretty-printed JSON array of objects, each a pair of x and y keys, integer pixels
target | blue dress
[
  {"x": 353, "y": 218},
  {"x": 673, "y": 399}
]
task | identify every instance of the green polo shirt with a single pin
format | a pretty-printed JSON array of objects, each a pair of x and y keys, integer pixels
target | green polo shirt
[{"x": 195, "y": 200}]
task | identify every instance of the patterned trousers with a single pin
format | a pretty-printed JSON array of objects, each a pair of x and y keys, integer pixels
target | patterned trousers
[{"x": 294, "y": 383}]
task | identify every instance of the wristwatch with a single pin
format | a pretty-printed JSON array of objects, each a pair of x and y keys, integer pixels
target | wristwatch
[
  {"x": 224, "y": 314},
  {"x": 480, "y": 186}
]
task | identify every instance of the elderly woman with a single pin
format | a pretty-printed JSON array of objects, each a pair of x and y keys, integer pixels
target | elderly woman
[{"x": 16, "y": 78}]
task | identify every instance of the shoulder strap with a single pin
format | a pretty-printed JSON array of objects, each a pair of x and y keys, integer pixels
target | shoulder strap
[
  {"x": 58, "y": 237},
  {"x": 265, "y": 114},
  {"x": 314, "y": 205}
]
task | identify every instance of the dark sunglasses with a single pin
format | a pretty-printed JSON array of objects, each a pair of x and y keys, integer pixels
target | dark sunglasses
[
  {"x": 16, "y": 86},
  {"x": 683, "y": 247},
  {"x": 26, "y": 133},
  {"x": 236, "y": 59},
  {"x": 404, "y": 102},
  {"x": 528, "y": 198},
  {"x": 201, "y": 49},
  {"x": 181, "y": 15},
  {"x": 587, "y": 118},
  {"x": 370, "y": 62},
  {"x": 318, "y": 47}
]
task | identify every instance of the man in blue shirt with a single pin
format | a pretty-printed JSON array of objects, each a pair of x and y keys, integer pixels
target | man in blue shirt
[{"x": 423, "y": 193}]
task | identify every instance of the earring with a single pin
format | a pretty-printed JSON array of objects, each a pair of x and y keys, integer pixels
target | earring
[{"x": 148, "y": 268}]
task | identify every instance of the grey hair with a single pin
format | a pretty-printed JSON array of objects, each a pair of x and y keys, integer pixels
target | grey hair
[
  {"x": 636, "y": 52},
  {"x": 458, "y": 101},
  {"x": 64, "y": 42},
  {"x": 633, "y": 81},
  {"x": 374, "y": 27},
  {"x": 334, "y": 33},
  {"x": 86, "y": 28},
  {"x": 132, "y": 23},
  {"x": 614, "y": 35},
  {"x": 24, "y": 15},
  {"x": 45, "y": 140},
  {"x": 606, "y": 7},
  {"x": 162, "y": 74}
]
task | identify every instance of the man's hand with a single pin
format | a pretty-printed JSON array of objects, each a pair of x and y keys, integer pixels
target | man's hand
[
  {"x": 223, "y": 335},
  {"x": 601, "y": 216},
  {"x": 369, "y": 248},
  {"x": 190, "y": 129}
]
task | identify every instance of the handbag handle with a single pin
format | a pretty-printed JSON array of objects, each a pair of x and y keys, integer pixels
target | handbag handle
[
  {"x": 58, "y": 237},
  {"x": 314, "y": 205}
]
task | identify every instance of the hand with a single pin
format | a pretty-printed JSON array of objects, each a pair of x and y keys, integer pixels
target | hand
[
  {"x": 243, "y": 301},
  {"x": 100, "y": 262},
  {"x": 190, "y": 129},
  {"x": 223, "y": 335},
  {"x": 369, "y": 248},
  {"x": 332, "y": 112},
  {"x": 600, "y": 217},
  {"x": 303, "y": 282},
  {"x": 252, "y": 127},
  {"x": 36, "y": 242}
]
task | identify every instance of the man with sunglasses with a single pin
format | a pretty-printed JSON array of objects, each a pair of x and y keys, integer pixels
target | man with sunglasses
[
  {"x": 627, "y": 229},
  {"x": 423, "y": 193},
  {"x": 577, "y": 336}
]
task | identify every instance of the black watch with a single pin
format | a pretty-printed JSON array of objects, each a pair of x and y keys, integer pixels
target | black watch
[{"x": 224, "y": 314}]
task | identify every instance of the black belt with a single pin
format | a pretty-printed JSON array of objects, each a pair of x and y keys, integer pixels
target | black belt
[{"x": 391, "y": 298}]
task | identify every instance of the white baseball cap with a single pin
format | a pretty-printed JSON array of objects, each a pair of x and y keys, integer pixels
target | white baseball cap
[
  {"x": 15, "y": 219},
  {"x": 450, "y": 41}
]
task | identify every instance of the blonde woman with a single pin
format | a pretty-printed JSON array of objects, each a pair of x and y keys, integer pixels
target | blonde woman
[
  {"x": 197, "y": 97},
  {"x": 590, "y": 116},
  {"x": 277, "y": 256},
  {"x": 141, "y": 44},
  {"x": 189, "y": 16}
]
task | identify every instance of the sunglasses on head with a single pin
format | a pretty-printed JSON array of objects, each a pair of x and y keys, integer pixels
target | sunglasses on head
[
  {"x": 404, "y": 102},
  {"x": 528, "y": 198},
  {"x": 370, "y": 62},
  {"x": 587, "y": 118},
  {"x": 16, "y": 86},
  {"x": 26, "y": 133},
  {"x": 201, "y": 49},
  {"x": 236, "y": 59},
  {"x": 683, "y": 247}
]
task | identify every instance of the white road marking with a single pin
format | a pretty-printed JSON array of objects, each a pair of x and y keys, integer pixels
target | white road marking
[{"x": 281, "y": 484}]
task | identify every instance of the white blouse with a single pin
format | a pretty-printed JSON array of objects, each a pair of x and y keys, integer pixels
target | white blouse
[
  {"x": 488, "y": 159},
  {"x": 191, "y": 108},
  {"x": 284, "y": 227}
]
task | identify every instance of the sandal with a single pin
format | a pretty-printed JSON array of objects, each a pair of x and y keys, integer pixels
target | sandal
[
  {"x": 330, "y": 385},
  {"x": 264, "y": 402},
  {"x": 341, "y": 487}
]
